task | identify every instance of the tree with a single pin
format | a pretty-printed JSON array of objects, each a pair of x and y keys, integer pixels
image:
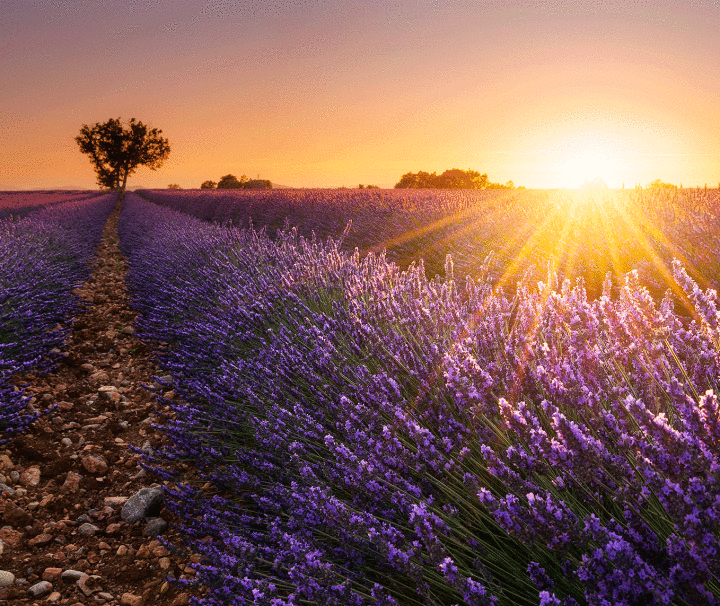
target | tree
[
  {"x": 229, "y": 182},
  {"x": 208, "y": 185},
  {"x": 174, "y": 186},
  {"x": 116, "y": 151},
  {"x": 454, "y": 178}
]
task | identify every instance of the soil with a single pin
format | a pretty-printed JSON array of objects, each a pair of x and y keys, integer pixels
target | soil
[{"x": 69, "y": 475}]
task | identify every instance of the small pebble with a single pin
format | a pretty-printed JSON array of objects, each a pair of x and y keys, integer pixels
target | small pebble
[
  {"x": 154, "y": 527},
  {"x": 71, "y": 575},
  {"x": 88, "y": 529},
  {"x": 6, "y": 578},
  {"x": 40, "y": 589}
]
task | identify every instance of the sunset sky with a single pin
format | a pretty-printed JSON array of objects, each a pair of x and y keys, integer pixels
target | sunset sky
[{"x": 329, "y": 94}]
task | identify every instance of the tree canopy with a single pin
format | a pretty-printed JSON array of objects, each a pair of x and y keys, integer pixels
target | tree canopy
[
  {"x": 454, "y": 178},
  {"x": 115, "y": 151},
  {"x": 231, "y": 182}
]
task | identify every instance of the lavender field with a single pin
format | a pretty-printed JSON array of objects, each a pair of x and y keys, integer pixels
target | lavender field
[
  {"x": 372, "y": 435},
  {"x": 527, "y": 417}
]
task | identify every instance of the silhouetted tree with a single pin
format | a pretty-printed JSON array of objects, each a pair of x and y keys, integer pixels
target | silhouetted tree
[
  {"x": 174, "y": 186},
  {"x": 454, "y": 178},
  {"x": 208, "y": 185},
  {"x": 229, "y": 182},
  {"x": 419, "y": 180},
  {"x": 116, "y": 151}
]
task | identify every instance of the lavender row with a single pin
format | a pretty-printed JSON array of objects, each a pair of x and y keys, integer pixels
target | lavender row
[
  {"x": 42, "y": 258},
  {"x": 17, "y": 204},
  {"x": 373, "y": 437}
]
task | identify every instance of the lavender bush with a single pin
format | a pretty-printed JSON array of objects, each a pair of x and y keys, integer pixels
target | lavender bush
[
  {"x": 42, "y": 258},
  {"x": 375, "y": 437}
]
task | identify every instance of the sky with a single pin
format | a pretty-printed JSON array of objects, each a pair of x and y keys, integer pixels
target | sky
[{"x": 334, "y": 94}]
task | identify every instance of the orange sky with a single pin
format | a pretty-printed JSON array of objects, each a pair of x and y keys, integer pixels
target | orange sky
[{"x": 326, "y": 94}]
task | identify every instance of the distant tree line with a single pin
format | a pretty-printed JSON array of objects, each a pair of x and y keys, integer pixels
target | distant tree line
[
  {"x": 454, "y": 178},
  {"x": 232, "y": 182}
]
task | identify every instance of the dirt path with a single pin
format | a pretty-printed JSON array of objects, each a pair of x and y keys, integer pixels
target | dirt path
[{"x": 68, "y": 535}]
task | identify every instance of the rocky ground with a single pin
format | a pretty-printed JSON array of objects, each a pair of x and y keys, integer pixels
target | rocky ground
[{"x": 82, "y": 522}]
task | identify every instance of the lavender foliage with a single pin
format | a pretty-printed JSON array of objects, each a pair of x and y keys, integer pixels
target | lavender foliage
[{"x": 375, "y": 437}]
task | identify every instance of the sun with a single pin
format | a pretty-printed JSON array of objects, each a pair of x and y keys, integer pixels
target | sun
[{"x": 586, "y": 165}]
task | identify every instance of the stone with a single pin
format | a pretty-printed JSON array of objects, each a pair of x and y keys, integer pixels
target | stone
[
  {"x": 130, "y": 599},
  {"x": 5, "y": 463},
  {"x": 66, "y": 442},
  {"x": 89, "y": 584},
  {"x": 111, "y": 396},
  {"x": 157, "y": 549},
  {"x": 41, "y": 539},
  {"x": 55, "y": 596},
  {"x": 30, "y": 477},
  {"x": 51, "y": 574},
  {"x": 5, "y": 489},
  {"x": 11, "y": 536},
  {"x": 128, "y": 330},
  {"x": 65, "y": 406},
  {"x": 95, "y": 464},
  {"x": 72, "y": 482},
  {"x": 154, "y": 527},
  {"x": 115, "y": 501},
  {"x": 71, "y": 575},
  {"x": 88, "y": 529},
  {"x": 87, "y": 367},
  {"x": 181, "y": 599},
  {"x": 164, "y": 563},
  {"x": 142, "y": 504},
  {"x": 40, "y": 589},
  {"x": 6, "y": 578},
  {"x": 99, "y": 377}
]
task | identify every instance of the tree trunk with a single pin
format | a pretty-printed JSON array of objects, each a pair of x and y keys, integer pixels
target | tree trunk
[{"x": 124, "y": 184}]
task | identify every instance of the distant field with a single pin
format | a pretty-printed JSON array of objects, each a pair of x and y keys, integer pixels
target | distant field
[
  {"x": 20, "y": 203},
  {"x": 577, "y": 233}
]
